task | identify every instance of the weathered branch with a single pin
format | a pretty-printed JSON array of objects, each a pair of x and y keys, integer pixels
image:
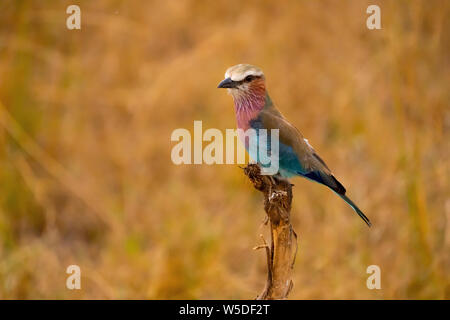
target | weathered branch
[{"x": 283, "y": 245}]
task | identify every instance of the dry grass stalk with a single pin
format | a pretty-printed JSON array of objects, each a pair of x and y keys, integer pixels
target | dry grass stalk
[{"x": 283, "y": 245}]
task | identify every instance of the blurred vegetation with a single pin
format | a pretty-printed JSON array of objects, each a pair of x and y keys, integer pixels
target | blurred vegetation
[{"x": 85, "y": 170}]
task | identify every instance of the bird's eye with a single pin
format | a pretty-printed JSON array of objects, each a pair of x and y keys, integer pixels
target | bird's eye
[{"x": 248, "y": 78}]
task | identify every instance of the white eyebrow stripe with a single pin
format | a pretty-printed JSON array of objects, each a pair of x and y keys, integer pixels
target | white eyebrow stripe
[{"x": 241, "y": 76}]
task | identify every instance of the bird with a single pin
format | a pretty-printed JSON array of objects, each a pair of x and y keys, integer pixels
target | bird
[{"x": 254, "y": 109}]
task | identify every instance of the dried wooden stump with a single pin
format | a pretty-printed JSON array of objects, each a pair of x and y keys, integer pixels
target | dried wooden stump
[{"x": 282, "y": 249}]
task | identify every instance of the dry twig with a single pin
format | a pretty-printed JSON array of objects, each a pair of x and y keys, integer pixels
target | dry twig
[{"x": 283, "y": 246}]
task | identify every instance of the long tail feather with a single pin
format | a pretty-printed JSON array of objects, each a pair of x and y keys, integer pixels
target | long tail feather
[
  {"x": 331, "y": 182},
  {"x": 355, "y": 207}
]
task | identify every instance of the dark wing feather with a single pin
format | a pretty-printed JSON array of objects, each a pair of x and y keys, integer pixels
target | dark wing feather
[
  {"x": 313, "y": 165},
  {"x": 290, "y": 136}
]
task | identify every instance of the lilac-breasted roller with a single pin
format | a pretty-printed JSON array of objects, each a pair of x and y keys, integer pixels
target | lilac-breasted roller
[{"x": 254, "y": 109}]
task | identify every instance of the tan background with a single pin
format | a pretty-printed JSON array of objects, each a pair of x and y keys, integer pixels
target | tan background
[{"x": 85, "y": 170}]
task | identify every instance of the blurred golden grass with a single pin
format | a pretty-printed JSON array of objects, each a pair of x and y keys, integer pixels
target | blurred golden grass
[{"x": 85, "y": 170}]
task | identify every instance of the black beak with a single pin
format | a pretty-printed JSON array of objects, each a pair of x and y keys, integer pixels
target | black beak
[{"x": 227, "y": 83}]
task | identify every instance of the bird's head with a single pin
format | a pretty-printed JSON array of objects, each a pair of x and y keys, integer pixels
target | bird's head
[{"x": 244, "y": 81}]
